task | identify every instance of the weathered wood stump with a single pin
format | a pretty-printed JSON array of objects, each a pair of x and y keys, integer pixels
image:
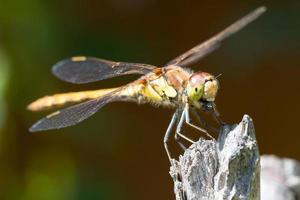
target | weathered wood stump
[{"x": 228, "y": 168}]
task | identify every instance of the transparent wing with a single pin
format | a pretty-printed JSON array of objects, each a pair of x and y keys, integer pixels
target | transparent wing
[
  {"x": 88, "y": 69},
  {"x": 203, "y": 49},
  {"x": 71, "y": 115}
]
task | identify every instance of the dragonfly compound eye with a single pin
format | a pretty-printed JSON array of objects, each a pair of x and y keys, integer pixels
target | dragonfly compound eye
[
  {"x": 210, "y": 90},
  {"x": 195, "y": 87},
  {"x": 202, "y": 86}
]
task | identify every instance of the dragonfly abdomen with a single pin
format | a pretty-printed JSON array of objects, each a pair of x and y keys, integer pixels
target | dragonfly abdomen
[{"x": 64, "y": 98}]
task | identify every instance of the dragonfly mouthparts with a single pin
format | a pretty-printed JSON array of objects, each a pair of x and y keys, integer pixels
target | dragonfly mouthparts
[{"x": 206, "y": 105}]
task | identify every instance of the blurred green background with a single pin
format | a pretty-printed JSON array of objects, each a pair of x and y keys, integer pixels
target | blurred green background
[{"x": 118, "y": 153}]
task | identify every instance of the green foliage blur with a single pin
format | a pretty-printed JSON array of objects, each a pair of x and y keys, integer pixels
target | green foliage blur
[{"x": 118, "y": 153}]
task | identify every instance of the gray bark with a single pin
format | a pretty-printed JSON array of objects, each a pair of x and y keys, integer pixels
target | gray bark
[{"x": 228, "y": 168}]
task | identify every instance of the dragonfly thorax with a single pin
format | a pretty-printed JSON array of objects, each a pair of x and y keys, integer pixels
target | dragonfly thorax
[{"x": 202, "y": 87}]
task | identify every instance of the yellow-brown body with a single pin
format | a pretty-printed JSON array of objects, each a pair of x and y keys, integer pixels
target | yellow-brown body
[{"x": 162, "y": 87}]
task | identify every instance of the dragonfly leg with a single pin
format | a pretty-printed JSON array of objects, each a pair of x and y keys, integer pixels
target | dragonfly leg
[
  {"x": 203, "y": 122},
  {"x": 177, "y": 139},
  {"x": 216, "y": 115},
  {"x": 179, "y": 128},
  {"x": 168, "y": 135},
  {"x": 188, "y": 121}
]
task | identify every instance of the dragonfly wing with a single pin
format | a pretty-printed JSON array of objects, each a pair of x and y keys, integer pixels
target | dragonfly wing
[
  {"x": 71, "y": 115},
  {"x": 198, "y": 52},
  {"x": 88, "y": 69}
]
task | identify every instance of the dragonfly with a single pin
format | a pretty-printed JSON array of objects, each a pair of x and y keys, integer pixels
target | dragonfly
[{"x": 171, "y": 86}]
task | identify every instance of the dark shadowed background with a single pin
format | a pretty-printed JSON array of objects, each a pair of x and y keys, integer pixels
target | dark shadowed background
[{"x": 118, "y": 153}]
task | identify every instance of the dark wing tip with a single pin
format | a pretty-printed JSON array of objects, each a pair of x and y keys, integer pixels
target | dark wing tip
[
  {"x": 31, "y": 129},
  {"x": 35, "y": 128},
  {"x": 71, "y": 115},
  {"x": 38, "y": 126},
  {"x": 59, "y": 70},
  {"x": 69, "y": 69},
  {"x": 79, "y": 69}
]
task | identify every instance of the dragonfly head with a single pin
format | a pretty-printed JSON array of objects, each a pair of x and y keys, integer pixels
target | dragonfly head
[{"x": 202, "y": 88}]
